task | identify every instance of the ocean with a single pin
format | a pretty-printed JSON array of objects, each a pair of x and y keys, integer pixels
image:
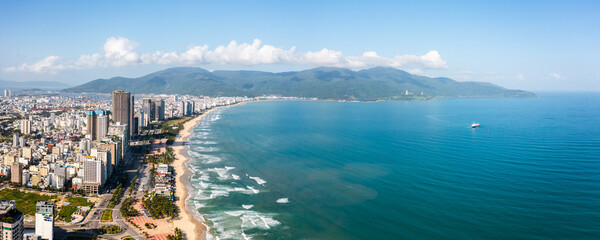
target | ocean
[{"x": 400, "y": 169}]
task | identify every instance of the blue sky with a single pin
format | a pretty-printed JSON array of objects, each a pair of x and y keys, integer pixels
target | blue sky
[{"x": 532, "y": 45}]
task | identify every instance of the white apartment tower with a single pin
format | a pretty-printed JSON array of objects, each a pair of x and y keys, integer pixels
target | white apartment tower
[
  {"x": 25, "y": 126},
  {"x": 44, "y": 220}
]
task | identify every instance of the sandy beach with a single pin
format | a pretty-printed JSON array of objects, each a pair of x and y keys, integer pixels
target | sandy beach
[{"x": 191, "y": 227}]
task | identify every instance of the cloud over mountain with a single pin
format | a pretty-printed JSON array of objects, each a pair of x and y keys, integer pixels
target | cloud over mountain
[{"x": 120, "y": 51}]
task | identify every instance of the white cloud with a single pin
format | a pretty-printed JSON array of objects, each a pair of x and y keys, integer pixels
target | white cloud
[
  {"x": 520, "y": 77},
  {"x": 48, "y": 64},
  {"x": 121, "y": 52},
  {"x": 555, "y": 76}
]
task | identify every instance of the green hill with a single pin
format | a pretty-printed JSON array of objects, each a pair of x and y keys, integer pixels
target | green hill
[{"x": 324, "y": 83}]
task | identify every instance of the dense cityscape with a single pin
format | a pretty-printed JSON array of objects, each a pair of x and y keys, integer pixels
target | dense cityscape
[{"x": 83, "y": 165}]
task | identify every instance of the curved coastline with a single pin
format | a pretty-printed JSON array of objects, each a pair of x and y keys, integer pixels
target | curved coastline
[{"x": 191, "y": 222}]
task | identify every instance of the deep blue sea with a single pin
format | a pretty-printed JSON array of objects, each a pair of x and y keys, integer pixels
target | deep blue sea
[{"x": 401, "y": 169}]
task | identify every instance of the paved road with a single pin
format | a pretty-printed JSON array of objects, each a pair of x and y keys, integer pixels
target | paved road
[
  {"x": 131, "y": 171},
  {"x": 92, "y": 222}
]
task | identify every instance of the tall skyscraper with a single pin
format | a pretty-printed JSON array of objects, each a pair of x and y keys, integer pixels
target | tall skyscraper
[
  {"x": 44, "y": 220},
  {"x": 132, "y": 131},
  {"x": 92, "y": 175},
  {"x": 122, "y": 108},
  {"x": 97, "y": 124},
  {"x": 142, "y": 120},
  {"x": 160, "y": 109},
  {"x": 101, "y": 126},
  {"x": 11, "y": 221},
  {"x": 15, "y": 140},
  {"x": 15, "y": 173},
  {"x": 7, "y": 93},
  {"x": 91, "y": 124},
  {"x": 104, "y": 156},
  {"x": 25, "y": 126},
  {"x": 149, "y": 109},
  {"x": 135, "y": 124}
]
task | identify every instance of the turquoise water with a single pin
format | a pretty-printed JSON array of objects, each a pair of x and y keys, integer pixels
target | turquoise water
[{"x": 401, "y": 170}]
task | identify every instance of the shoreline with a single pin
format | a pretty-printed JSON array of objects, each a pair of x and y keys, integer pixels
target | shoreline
[{"x": 192, "y": 227}]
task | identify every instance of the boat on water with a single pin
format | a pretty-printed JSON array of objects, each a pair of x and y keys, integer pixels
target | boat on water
[{"x": 474, "y": 125}]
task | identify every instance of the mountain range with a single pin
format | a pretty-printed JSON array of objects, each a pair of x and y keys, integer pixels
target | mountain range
[{"x": 379, "y": 83}]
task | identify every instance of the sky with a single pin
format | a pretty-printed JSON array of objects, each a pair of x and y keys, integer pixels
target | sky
[{"x": 530, "y": 45}]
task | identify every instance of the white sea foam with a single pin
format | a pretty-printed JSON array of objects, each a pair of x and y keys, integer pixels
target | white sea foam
[
  {"x": 203, "y": 185},
  {"x": 204, "y": 177},
  {"x": 247, "y": 206},
  {"x": 199, "y": 205},
  {"x": 253, "y": 189},
  {"x": 222, "y": 172},
  {"x": 258, "y": 180},
  {"x": 283, "y": 200},
  {"x": 235, "y": 177},
  {"x": 252, "y": 219},
  {"x": 234, "y": 213},
  {"x": 201, "y": 196},
  {"x": 204, "y": 149},
  {"x": 219, "y": 193},
  {"x": 244, "y": 236},
  {"x": 208, "y": 159}
]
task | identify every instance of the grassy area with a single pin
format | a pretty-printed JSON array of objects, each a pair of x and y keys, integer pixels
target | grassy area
[
  {"x": 171, "y": 128},
  {"x": 107, "y": 216},
  {"x": 110, "y": 229},
  {"x": 67, "y": 210},
  {"x": 176, "y": 122},
  {"x": 127, "y": 238},
  {"x": 79, "y": 201},
  {"x": 25, "y": 201}
]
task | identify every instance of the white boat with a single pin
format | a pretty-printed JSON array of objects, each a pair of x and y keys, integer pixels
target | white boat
[{"x": 474, "y": 125}]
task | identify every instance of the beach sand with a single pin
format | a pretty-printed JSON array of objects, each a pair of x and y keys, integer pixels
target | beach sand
[{"x": 191, "y": 227}]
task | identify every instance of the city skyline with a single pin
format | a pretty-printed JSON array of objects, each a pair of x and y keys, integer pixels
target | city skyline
[{"x": 530, "y": 46}]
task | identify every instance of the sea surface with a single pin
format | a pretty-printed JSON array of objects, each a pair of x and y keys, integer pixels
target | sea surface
[{"x": 401, "y": 169}]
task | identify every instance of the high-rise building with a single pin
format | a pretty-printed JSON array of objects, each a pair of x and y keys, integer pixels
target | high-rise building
[
  {"x": 7, "y": 93},
  {"x": 15, "y": 173},
  {"x": 131, "y": 114},
  {"x": 135, "y": 125},
  {"x": 25, "y": 176},
  {"x": 26, "y": 152},
  {"x": 91, "y": 124},
  {"x": 15, "y": 139},
  {"x": 122, "y": 108},
  {"x": 11, "y": 221},
  {"x": 101, "y": 126},
  {"x": 92, "y": 175},
  {"x": 160, "y": 110},
  {"x": 142, "y": 120},
  {"x": 149, "y": 109},
  {"x": 113, "y": 148},
  {"x": 189, "y": 107},
  {"x": 25, "y": 126},
  {"x": 182, "y": 108},
  {"x": 44, "y": 220},
  {"x": 104, "y": 156},
  {"x": 97, "y": 124}
]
